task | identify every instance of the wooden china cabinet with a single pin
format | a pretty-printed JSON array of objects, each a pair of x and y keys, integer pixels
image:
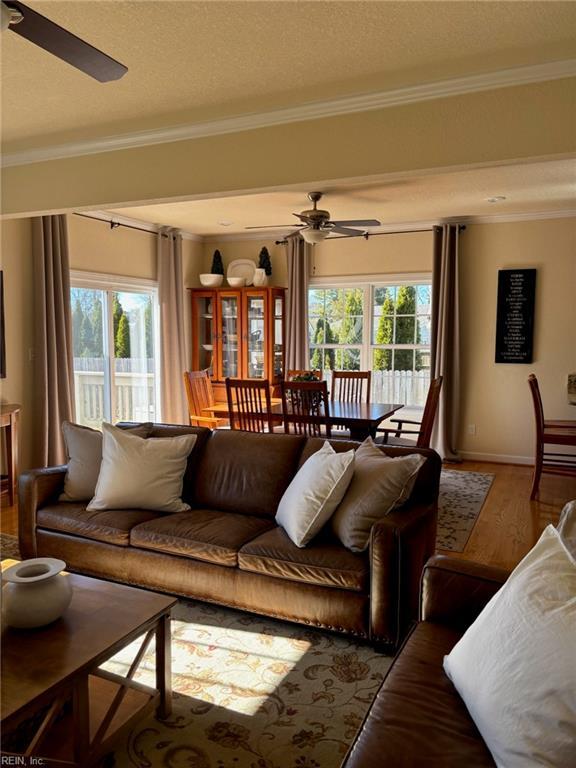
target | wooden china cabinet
[{"x": 238, "y": 333}]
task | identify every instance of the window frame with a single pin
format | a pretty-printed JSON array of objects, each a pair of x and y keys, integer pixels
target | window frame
[
  {"x": 107, "y": 283},
  {"x": 368, "y": 283}
]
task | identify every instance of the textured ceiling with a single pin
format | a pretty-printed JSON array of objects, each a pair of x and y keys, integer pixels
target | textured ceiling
[
  {"x": 529, "y": 188},
  {"x": 194, "y": 61}
]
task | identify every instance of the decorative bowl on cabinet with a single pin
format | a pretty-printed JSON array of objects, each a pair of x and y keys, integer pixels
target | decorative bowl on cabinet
[{"x": 208, "y": 280}]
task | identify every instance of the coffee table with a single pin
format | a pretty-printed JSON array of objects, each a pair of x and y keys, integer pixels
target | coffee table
[{"x": 54, "y": 671}]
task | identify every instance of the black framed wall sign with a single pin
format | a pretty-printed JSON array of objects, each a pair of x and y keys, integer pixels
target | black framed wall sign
[{"x": 515, "y": 315}]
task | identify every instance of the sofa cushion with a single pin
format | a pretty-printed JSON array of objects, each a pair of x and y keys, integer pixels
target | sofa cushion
[
  {"x": 418, "y": 714},
  {"x": 84, "y": 450},
  {"x": 314, "y": 493},
  {"x": 141, "y": 474},
  {"x": 111, "y": 526},
  {"x": 324, "y": 562},
  {"x": 202, "y": 534},
  {"x": 246, "y": 472},
  {"x": 175, "y": 430}
]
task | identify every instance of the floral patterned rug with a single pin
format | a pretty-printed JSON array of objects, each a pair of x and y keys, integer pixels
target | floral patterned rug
[
  {"x": 462, "y": 496},
  {"x": 250, "y": 692}
]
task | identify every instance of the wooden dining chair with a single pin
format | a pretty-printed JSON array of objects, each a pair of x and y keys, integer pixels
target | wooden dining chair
[
  {"x": 305, "y": 408},
  {"x": 310, "y": 375},
  {"x": 550, "y": 432},
  {"x": 351, "y": 386},
  {"x": 249, "y": 406},
  {"x": 200, "y": 397},
  {"x": 395, "y": 435}
]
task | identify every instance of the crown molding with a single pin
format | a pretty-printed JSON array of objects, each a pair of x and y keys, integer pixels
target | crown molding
[
  {"x": 312, "y": 111},
  {"x": 507, "y": 218}
]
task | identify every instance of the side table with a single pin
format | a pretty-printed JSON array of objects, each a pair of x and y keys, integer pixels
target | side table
[{"x": 9, "y": 418}]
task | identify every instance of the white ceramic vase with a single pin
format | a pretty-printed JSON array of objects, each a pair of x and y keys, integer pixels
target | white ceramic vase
[
  {"x": 35, "y": 592},
  {"x": 260, "y": 277}
]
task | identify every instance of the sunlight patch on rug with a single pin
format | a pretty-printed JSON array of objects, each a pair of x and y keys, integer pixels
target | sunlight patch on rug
[
  {"x": 236, "y": 669},
  {"x": 250, "y": 692}
]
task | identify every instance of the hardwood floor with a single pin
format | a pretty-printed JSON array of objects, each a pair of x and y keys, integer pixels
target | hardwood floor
[
  {"x": 510, "y": 524},
  {"x": 507, "y": 527}
]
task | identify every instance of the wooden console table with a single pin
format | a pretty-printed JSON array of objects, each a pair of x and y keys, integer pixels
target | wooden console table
[{"x": 9, "y": 418}]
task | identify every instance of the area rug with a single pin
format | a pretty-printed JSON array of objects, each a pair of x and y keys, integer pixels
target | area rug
[
  {"x": 9, "y": 546},
  {"x": 253, "y": 693},
  {"x": 462, "y": 496}
]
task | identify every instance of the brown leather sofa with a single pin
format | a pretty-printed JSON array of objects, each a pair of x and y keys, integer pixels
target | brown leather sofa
[
  {"x": 229, "y": 550},
  {"x": 418, "y": 718}
]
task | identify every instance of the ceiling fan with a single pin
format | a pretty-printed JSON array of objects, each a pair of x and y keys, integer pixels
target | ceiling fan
[
  {"x": 39, "y": 30},
  {"x": 317, "y": 224}
]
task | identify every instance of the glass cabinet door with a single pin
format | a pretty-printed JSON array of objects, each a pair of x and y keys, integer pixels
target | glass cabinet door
[
  {"x": 256, "y": 336},
  {"x": 229, "y": 335},
  {"x": 205, "y": 325},
  {"x": 278, "y": 340}
]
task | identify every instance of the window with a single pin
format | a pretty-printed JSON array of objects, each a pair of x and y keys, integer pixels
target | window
[
  {"x": 115, "y": 348},
  {"x": 336, "y": 324},
  {"x": 381, "y": 326}
]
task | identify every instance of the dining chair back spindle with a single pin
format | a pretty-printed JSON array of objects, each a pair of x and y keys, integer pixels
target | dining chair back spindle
[
  {"x": 423, "y": 432},
  {"x": 550, "y": 432},
  {"x": 305, "y": 408},
  {"x": 200, "y": 397},
  {"x": 351, "y": 386},
  {"x": 249, "y": 405}
]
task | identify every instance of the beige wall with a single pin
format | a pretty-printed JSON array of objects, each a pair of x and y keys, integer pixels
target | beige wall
[
  {"x": 377, "y": 255},
  {"x": 495, "y": 397},
  {"x": 16, "y": 261},
  {"x": 95, "y": 247}
]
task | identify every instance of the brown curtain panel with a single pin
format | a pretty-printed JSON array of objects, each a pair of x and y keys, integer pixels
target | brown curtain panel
[
  {"x": 298, "y": 256},
  {"x": 172, "y": 319},
  {"x": 54, "y": 371},
  {"x": 445, "y": 342}
]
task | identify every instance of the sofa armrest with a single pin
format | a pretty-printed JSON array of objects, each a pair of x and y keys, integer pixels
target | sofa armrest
[
  {"x": 35, "y": 488},
  {"x": 455, "y": 591},
  {"x": 400, "y": 545}
]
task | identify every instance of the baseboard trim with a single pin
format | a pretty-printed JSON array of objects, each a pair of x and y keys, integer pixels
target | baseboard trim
[{"x": 497, "y": 458}]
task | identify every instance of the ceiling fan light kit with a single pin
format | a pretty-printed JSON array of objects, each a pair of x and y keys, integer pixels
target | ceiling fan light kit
[{"x": 314, "y": 236}]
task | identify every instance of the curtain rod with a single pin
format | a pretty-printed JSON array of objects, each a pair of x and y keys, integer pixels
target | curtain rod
[
  {"x": 115, "y": 224},
  {"x": 367, "y": 235}
]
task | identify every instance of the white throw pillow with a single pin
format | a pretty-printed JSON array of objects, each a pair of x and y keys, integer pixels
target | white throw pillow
[
  {"x": 515, "y": 667},
  {"x": 314, "y": 493},
  {"x": 141, "y": 474},
  {"x": 84, "y": 450},
  {"x": 379, "y": 485}
]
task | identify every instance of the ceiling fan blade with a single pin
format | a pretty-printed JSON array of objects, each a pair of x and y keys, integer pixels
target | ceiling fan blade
[
  {"x": 358, "y": 222},
  {"x": 66, "y": 46},
  {"x": 346, "y": 231},
  {"x": 275, "y": 226},
  {"x": 305, "y": 219}
]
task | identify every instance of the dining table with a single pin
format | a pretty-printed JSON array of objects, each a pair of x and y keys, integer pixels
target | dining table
[{"x": 361, "y": 419}]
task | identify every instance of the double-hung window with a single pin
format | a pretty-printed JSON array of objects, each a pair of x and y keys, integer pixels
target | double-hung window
[
  {"x": 382, "y": 325},
  {"x": 115, "y": 348}
]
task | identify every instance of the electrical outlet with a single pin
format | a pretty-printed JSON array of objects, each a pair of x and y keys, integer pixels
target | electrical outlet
[{"x": 471, "y": 429}]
